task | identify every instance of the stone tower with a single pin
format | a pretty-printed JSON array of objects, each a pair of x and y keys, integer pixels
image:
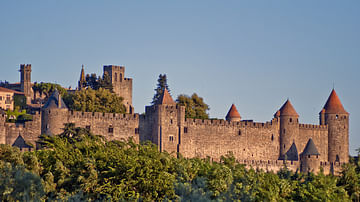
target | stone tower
[
  {"x": 233, "y": 114},
  {"x": 82, "y": 80},
  {"x": 165, "y": 120},
  {"x": 309, "y": 159},
  {"x": 121, "y": 86},
  {"x": 337, "y": 119},
  {"x": 289, "y": 127},
  {"x": 25, "y": 81},
  {"x": 54, "y": 115}
]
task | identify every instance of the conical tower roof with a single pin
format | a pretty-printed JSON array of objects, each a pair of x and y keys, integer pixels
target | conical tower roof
[
  {"x": 20, "y": 142},
  {"x": 233, "y": 113},
  {"x": 288, "y": 110},
  {"x": 55, "y": 101},
  {"x": 333, "y": 104},
  {"x": 165, "y": 98},
  {"x": 310, "y": 148}
]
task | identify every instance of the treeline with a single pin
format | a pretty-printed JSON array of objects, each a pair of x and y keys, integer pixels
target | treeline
[{"x": 79, "y": 166}]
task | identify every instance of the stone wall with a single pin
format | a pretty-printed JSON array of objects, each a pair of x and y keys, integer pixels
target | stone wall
[
  {"x": 318, "y": 133},
  {"x": 112, "y": 126},
  {"x": 29, "y": 130},
  {"x": 246, "y": 140}
]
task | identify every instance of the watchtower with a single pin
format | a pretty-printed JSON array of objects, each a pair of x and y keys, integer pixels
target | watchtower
[
  {"x": 121, "y": 86},
  {"x": 25, "y": 81},
  {"x": 334, "y": 115}
]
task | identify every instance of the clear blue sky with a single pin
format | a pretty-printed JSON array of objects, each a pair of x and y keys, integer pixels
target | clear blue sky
[{"x": 255, "y": 54}]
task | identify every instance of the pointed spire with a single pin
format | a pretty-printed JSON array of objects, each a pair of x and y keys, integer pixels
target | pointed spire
[
  {"x": 82, "y": 74},
  {"x": 333, "y": 105},
  {"x": 165, "y": 98},
  {"x": 233, "y": 114},
  {"x": 288, "y": 110},
  {"x": 310, "y": 148}
]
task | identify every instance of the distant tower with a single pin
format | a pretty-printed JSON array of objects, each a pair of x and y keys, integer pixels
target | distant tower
[
  {"x": 82, "y": 80},
  {"x": 54, "y": 115},
  {"x": 289, "y": 127},
  {"x": 309, "y": 159},
  {"x": 25, "y": 81},
  {"x": 334, "y": 115},
  {"x": 233, "y": 114},
  {"x": 121, "y": 86},
  {"x": 165, "y": 120}
]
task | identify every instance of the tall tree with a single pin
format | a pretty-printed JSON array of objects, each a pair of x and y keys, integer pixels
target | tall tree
[
  {"x": 162, "y": 84},
  {"x": 95, "y": 82},
  {"x": 195, "y": 107}
]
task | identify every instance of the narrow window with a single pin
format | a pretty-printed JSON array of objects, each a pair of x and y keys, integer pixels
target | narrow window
[
  {"x": 290, "y": 120},
  {"x": 308, "y": 156},
  {"x": 337, "y": 116},
  {"x": 272, "y": 137},
  {"x": 239, "y": 132},
  {"x": 115, "y": 76},
  {"x": 121, "y": 77},
  {"x": 284, "y": 130},
  {"x": 185, "y": 130},
  {"x": 136, "y": 130},
  {"x": 284, "y": 146},
  {"x": 171, "y": 138},
  {"x": 111, "y": 129},
  {"x": 171, "y": 121}
]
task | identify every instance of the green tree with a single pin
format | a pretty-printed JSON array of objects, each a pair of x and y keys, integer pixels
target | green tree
[
  {"x": 195, "y": 107},
  {"x": 161, "y": 85},
  {"x": 48, "y": 88},
  {"x": 96, "y": 83},
  {"x": 101, "y": 100}
]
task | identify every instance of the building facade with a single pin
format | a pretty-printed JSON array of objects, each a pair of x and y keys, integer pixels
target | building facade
[{"x": 268, "y": 146}]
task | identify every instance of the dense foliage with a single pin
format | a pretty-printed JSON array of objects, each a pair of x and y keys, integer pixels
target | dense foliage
[
  {"x": 160, "y": 87},
  {"x": 48, "y": 88},
  {"x": 96, "y": 83},
  {"x": 77, "y": 165},
  {"x": 195, "y": 107},
  {"x": 101, "y": 100},
  {"x": 17, "y": 115}
]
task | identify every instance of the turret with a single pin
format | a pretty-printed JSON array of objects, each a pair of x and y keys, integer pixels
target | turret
[
  {"x": 165, "y": 120},
  {"x": 337, "y": 118},
  {"x": 309, "y": 158},
  {"x": 82, "y": 80},
  {"x": 289, "y": 127},
  {"x": 233, "y": 114},
  {"x": 54, "y": 115}
]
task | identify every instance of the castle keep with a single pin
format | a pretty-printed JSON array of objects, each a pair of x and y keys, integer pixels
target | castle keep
[{"x": 270, "y": 145}]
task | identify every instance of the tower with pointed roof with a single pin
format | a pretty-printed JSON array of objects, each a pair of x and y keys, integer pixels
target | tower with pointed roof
[
  {"x": 54, "y": 115},
  {"x": 163, "y": 123},
  {"x": 337, "y": 118},
  {"x": 233, "y": 114},
  {"x": 309, "y": 158},
  {"x": 82, "y": 81},
  {"x": 289, "y": 127}
]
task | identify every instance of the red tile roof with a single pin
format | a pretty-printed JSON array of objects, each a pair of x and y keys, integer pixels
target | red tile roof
[
  {"x": 288, "y": 110},
  {"x": 233, "y": 112},
  {"x": 165, "y": 98},
  {"x": 333, "y": 104}
]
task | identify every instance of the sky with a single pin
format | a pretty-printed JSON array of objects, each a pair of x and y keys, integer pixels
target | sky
[{"x": 255, "y": 54}]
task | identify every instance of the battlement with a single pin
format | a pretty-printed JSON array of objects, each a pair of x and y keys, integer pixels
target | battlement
[
  {"x": 115, "y": 67},
  {"x": 101, "y": 115},
  {"x": 221, "y": 122},
  {"x": 312, "y": 127}
]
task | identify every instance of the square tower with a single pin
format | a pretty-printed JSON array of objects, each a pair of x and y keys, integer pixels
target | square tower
[
  {"x": 121, "y": 86},
  {"x": 25, "y": 81}
]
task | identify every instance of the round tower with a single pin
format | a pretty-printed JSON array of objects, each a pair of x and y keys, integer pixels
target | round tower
[
  {"x": 337, "y": 119},
  {"x": 233, "y": 114},
  {"x": 309, "y": 159},
  {"x": 54, "y": 115},
  {"x": 289, "y": 127}
]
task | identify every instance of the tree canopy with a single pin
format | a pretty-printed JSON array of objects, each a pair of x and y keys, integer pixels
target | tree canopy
[
  {"x": 101, "y": 100},
  {"x": 48, "y": 88},
  {"x": 77, "y": 165},
  {"x": 195, "y": 107},
  {"x": 96, "y": 83},
  {"x": 161, "y": 85}
]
